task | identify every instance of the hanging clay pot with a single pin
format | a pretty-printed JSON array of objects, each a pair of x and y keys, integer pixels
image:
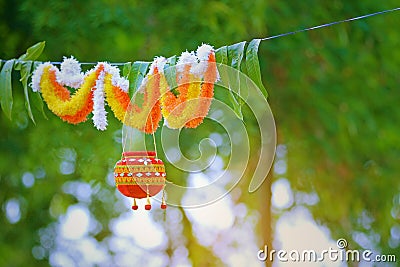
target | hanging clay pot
[{"x": 139, "y": 174}]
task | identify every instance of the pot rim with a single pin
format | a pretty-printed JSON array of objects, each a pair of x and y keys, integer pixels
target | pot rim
[{"x": 138, "y": 153}]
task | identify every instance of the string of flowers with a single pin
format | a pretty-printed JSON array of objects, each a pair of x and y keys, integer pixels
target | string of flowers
[
  {"x": 196, "y": 75},
  {"x": 193, "y": 101}
]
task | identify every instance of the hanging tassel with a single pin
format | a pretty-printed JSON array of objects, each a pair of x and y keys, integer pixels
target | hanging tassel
[
  {"x": 148, "y": 205},
  {"x": 163, "y": 203},
  {"x": 134, "y": 206}
]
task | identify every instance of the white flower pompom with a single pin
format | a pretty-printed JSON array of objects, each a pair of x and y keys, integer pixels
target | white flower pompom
[
  {"x": 99, "y": 112},
  {"x": 70, "y": 66},
  {"x": 116, "y": 79},
  {"x": 202, "y": 55},
  {"x": 114, "y": 71},
  {"x": 159, "y": 63},
  {"x": 70, "y": 74},
  {"x": 186, "y": 58},
  {"x": 204, "y": 51},
  {"x": 37, "y": 76},
  {"x": 122, "y": 83}
]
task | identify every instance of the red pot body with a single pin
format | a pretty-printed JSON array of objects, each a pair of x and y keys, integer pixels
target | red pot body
[{"x": 139, "y": 173}]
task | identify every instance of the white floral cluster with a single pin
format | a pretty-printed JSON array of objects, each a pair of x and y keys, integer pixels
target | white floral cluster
[
  {"x": 99, "y": 112},
  {"x": 116, "y": 79},
  {"x": 70, "y": 74},
  {"x": 159, "y": 63},
  {"x": 198, "y": 59}
]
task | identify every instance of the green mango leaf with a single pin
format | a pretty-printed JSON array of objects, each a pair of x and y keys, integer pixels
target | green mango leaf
[
  {"x": 235, "y": 57},
  {"x": 253, "y": 65},
  {"x": 136, "y": 75},
  {"x": 230, "y": 56},
  {"x": 236, "y": 102},
  {"x": 235, "y": 54},
  {"x": 33, "y": 52},
  {"x": 226, "y": 96},
  {"x": 25, "y": 70},
  {"x": 221, "y": 55},
  {"x": 127, "y": 69},
  {"x": 170, "y": 73},
  {"x": 37, "y": 99},
  {"x": 38, "y": 103},
  {"x": 171, "y": 61},
  {"x": 236, "y": 105},
  {"x": 6, "y": 98}
]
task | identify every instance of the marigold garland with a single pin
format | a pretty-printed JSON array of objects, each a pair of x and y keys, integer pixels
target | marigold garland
[
  {"x": 207, "y": 93},
  {"x": 117, "y": 99},
  {"x": 58, "y": 97},
  {"x": 196, "y": 75},
  {"x": 193, "y": 101},
  {"x": 181, "y": 109},
  {"x": 147, "y": 117}
]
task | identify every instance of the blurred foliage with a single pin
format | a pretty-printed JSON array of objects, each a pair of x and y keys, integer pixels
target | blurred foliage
[{"x": 334, "y": 93}]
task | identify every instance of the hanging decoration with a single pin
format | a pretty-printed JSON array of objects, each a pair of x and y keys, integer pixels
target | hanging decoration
[
  {"x": 140, "y": 174},
  {"x": 179, "y": 92},
  {"x": 196, "y": 75}
]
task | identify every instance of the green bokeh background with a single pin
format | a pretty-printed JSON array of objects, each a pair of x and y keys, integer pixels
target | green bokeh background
[{"x": 334, "y": 93}]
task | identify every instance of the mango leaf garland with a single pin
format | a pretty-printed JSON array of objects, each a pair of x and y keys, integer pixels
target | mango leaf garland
[
  {"x": 228, "y": 97},
  {"x": 253, "y": 65},
  {"x": 244, "y": 60},
  {"x": 24, "y": 65}
]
